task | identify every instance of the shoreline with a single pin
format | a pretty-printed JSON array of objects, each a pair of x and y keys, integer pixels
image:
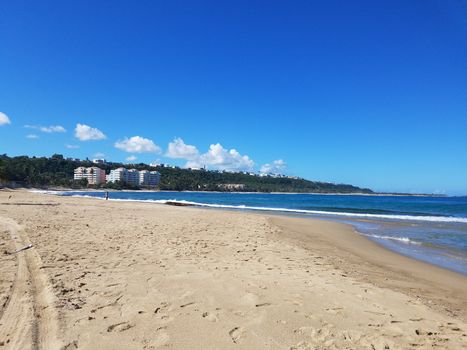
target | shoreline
[
  {"x": 132, "y": 275},
  {"x": 334, "y": 217},
  {"x": 278, "y": 209},
  {"x": 406, "y": 273},
  {"x": 235, "y": 192},
  {"x": 409, "y": 266},
  {"x": 367, "y": 237}
]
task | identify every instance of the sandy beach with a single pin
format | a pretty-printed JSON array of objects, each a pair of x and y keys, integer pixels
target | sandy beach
[{"x": 124, "y": 275}]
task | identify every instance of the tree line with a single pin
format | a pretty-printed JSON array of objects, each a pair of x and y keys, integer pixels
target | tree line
[{"x": 56, "y": 171}]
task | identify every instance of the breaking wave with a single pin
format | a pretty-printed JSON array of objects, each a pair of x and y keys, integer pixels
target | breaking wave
[
  {"x": 405, "y": 240},
  {"x": 289, "y": 210}
]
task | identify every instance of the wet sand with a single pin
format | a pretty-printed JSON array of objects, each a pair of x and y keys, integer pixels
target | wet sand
[{"x": 115, "y": 275}]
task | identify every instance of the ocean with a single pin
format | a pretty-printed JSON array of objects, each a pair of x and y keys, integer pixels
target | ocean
[{"x": 431, "y": 229}]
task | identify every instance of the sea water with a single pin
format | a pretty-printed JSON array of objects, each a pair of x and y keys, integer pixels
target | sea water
[{"x": 432, "y": 229}]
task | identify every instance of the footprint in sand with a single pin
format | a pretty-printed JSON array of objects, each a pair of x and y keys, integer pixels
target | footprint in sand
[
  {"x": 236, "y": 334},
  {"x": 161, "y": 312},
  {"x": 71, "y": 346},
  {"x": 335, "y": 310},
  {"x": 238, "y": 313},
  {"x": 119, "y": 327},
  {"x": 210, "y": 317},
  {"x": 305, "y": 330},
  {"x": 161, "y": 338},
  {"x": 424, "y": 333}
]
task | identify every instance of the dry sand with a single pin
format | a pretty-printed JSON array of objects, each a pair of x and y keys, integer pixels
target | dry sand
[{"x": 121, "y": 275}]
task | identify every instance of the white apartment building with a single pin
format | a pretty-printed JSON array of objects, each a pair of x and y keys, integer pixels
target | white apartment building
[
  {"x": 94, "y": 175},
  {"x": 80, "y": 173},
  {"x": 134, "y": 177},
  {"x": 119, "y": 174},
  {"x": 149, "y": 178}
]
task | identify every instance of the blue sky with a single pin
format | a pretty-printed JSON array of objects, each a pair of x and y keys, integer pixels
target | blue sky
[{"x": 372, "y": 93}]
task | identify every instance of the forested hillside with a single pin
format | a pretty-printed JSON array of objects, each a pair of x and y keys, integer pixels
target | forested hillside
[{"x": 58, "y": 172}]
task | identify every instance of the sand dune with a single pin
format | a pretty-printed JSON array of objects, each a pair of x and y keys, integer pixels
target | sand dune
[{"x": 113, "y": 275}]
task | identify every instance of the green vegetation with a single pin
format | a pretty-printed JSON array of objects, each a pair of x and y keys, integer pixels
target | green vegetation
[
  {"x": 58, "y": 172},
  {"x": 40, "y": 172},
  {"x": 200, "y": 180}
]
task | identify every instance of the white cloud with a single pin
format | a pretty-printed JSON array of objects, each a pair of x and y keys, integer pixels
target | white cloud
[
  {"x": 131, "y": 158},
  {"x": 217, "y": 157},
  {"x": 72, "y": 146},
  {"x": 179, "y": 149},
  {"x": 32, "y": 136},
  {"x": 276, "y": 167},
  {"x": 52, "y": 128},
  {"x": 99, "y": 155},
  {"x": 48, "y": 129},
  {"x": 86, "y": 133},
  {"x": 220, "y": 158},
  {"x": 4, "y": 120},
  {"x": 138, "y": 144}
]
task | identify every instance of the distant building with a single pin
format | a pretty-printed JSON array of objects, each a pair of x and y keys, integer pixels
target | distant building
[
  {"x": 94, "y": 175},
  {"x": 163, "y": 165},
  {"x": 149, "y": 178},
  {"x": 232, "y": 187},
  {"x": 80, "y": 173},
  {"x": 119, "y": 174},
  {"x": 98, "y": 161},
  {"x": 124, "y": 175},
  {"x": 143, "y": 178},
  {"x": 132, "y": 177}
]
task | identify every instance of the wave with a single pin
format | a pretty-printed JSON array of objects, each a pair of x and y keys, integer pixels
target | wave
[
  {"x": 329, "y": 213},
  {"x": 301, "y": 211},
  {"x": 401, "y": 217},
  {"x": 369, "y": 211},
  {"x": 405, "y": 240},
  {"x": 59, "y": 193}
]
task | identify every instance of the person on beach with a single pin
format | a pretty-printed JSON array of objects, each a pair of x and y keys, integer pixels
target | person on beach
[{"x": 106, "y": 195}]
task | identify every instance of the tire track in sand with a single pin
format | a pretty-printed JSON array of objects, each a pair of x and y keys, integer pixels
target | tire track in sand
[{"x": 29, "y": 319}]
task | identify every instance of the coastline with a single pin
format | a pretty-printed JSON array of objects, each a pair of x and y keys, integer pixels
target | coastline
[
  {"x": 132, "y": 274},
  {"x": 365, "y": 260},
  {"x": 420, "y": 234},
  {"x": 376, "y": 194},
  {"x": 350, "y": 218}
]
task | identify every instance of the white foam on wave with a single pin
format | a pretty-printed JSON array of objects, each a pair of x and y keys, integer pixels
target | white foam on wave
[
  {"x": 405, "y": 240},
  {"x": 287, "y": 210},
  {"x": 48, "y": 192},
  {"x": 330, "y": 213}
]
